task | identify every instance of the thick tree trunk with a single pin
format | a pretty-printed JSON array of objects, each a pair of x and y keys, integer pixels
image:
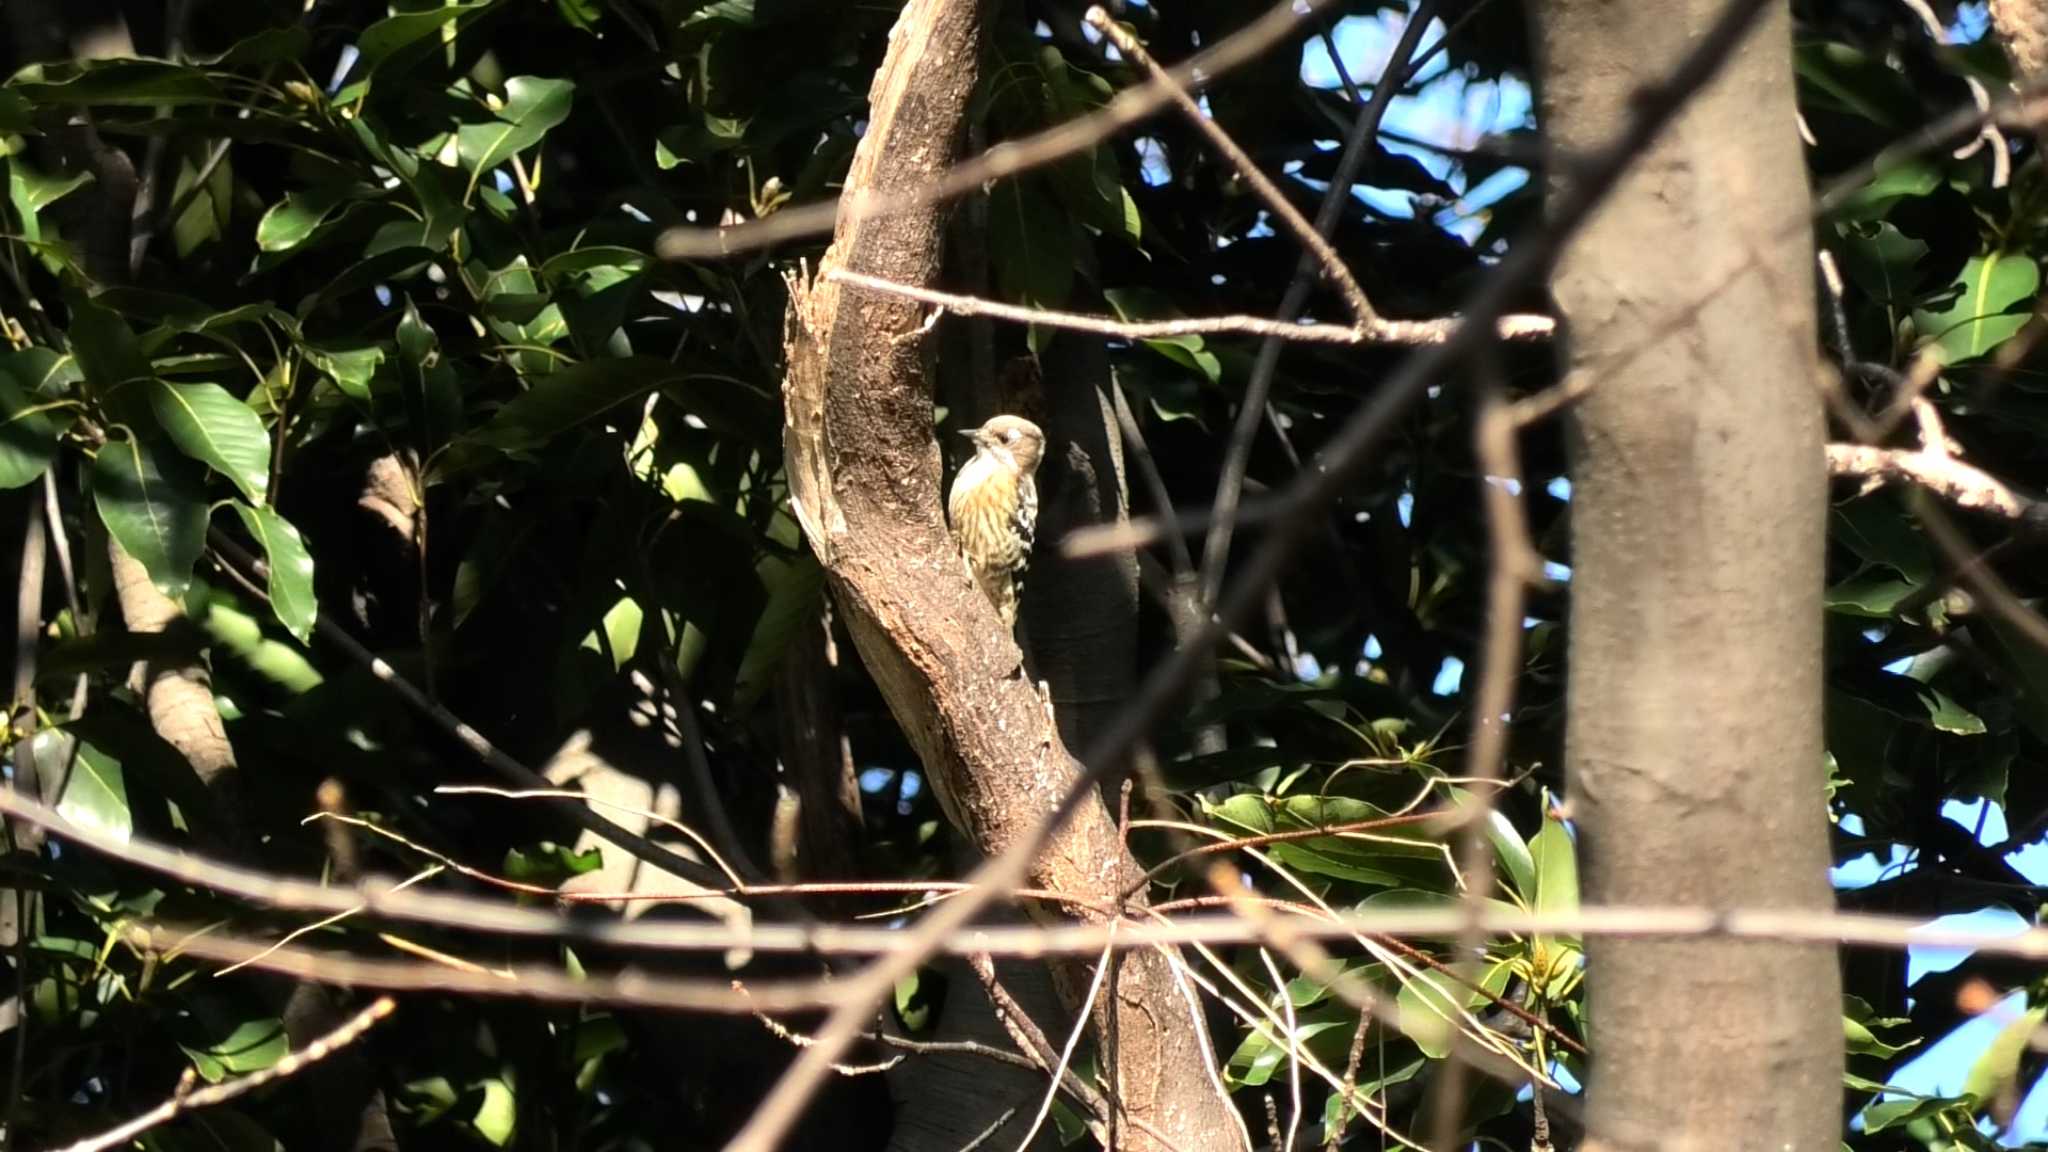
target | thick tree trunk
[
  {"x": 1694, "y": 725},
  {"x": 864, "y": 474}
]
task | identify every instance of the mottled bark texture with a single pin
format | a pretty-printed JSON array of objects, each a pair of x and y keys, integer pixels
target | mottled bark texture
[
  {"x": 1693, "y": 745},
  {"x": 864, "y": 471},
  {"x": 2022, "y": 27}
]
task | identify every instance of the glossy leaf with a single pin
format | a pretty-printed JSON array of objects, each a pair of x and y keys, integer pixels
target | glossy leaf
[
  {"x": 210, "y": 425},
  {"x": 126, "y": 81},
  {"x": 292, "y": 221},
  {"x": 94, "y": 788},
  {"x": 1983, "y": 309},
  {"x": 152, "y": 505},
  {"x": 30, "y": 425},
  {"x": 397, "y": 36},
  {"x": 532, "y": 106},
  {"x": 290, "y": 575},
  {"x": 556, "y": 403},
  {"x": 1995, "y": 1071},
  {"x": 251, "y": 1046}
]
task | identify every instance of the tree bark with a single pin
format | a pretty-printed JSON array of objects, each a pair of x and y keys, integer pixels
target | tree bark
[
  {"x": 1693, "y": 740},
  {"x": 2022, "y": 27},
  {"x": 864, "y": 474}
]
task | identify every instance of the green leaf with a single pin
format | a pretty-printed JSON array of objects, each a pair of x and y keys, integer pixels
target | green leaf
[
  {"x": 32, "y": 192},
  {"x": 1430, "y": 1002},
  {"x": 793, "y": 590},
  {"x": 293, "y": 220},
  {"x": 1882, "y": 260},
  {"x": 1994, "y": 1072},
  {"x": 351, "y": 368},
  {"x": 1030, "y": 244},
  {"x": 105, "y": 346},
  {"x": 1873, "y": 593},
  {"x": 1136, "y": 304},
  {"x": 126, "y": 81},
  {"x": 1949, "y": 716},
  {"x": 1906, "y": 181},
  {"x": 1512, "y": 852},
  {"x": 30, "y": 426},
  {"x": 1394, "y": 858},
  {"x": 550, "y": 864},
  {"x": 591, "y": 258},
  {"x": 556, "y": 403},
  {"x": 1879, "y": 1115},
  {"x": 1557, "y": 870},
  {"x": 207, "y": 423},
  {"x": 95, "y": 790},
  {"x": 1978, "y": 317},
  {"x": 290, "y": 568},
  {"x": 533, "y": 105},
  {"x": 234, "y": 632},
  {"x": 397, "y": 37},
  {"x": 1258, "y": 1057},
  {"x": 1861, "y": 1041},
  {"x": 251, "y": 1046},
  {"x": 153, "y": 507}
]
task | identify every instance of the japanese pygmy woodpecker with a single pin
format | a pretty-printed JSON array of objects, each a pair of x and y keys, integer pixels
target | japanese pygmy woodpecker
[{"x": 994, "y": 507}]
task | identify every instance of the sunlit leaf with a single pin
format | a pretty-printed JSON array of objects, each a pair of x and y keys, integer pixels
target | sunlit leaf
[
  {"x": 250, "y": 1046},
  {"x": 292, "y": 221},
  {"x": 210, "y": 425},
  {"x": 1984, "y": 307},
  {"x": 93, "y": 789},
  {"x": 30, "y": 424},
  {"x": 153, "y": 506},
  {"x": 290, "y": 575},
  {"x": 532, "y": 106}
]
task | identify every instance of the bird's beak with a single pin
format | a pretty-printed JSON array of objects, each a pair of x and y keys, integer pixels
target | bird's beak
[{"x": 973, "y": 434}]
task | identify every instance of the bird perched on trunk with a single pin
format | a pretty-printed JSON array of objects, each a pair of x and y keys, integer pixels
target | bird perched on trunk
[{"x": 994, "y": 507}]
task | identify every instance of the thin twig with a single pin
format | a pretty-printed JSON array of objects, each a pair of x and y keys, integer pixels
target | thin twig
[
  {"x": 60, "y": 542},
  {"x": 1108, "y": 960},
  {"x": 473, "y": 914},
  {"x": 1514, "y": 564},
  {"x": 1375, "y": 331},
  {"x": 350, "y": 1031},
  {"x": 1031, "y": 1040},
  {"x": 1350, "y": 1088},
  {"x": 1286, "y": 997},
  {"x": 1126, "y": 108},
  {"x": 1312, "y": 237},
  {"x": 1358, "y": 146}
]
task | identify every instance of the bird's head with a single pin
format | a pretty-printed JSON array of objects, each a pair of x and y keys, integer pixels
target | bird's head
[{"x": 1011, "y": 437}]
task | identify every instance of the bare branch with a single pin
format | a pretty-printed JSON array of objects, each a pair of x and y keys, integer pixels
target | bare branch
[
  {"x": 1963, "y": 485},
  {"x": 1377, "y": 331}
]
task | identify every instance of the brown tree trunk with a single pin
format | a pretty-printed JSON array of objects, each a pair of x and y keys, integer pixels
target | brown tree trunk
[
  {"x": 1699, "y": 502},
  {"x": 864, "y": 473}
]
